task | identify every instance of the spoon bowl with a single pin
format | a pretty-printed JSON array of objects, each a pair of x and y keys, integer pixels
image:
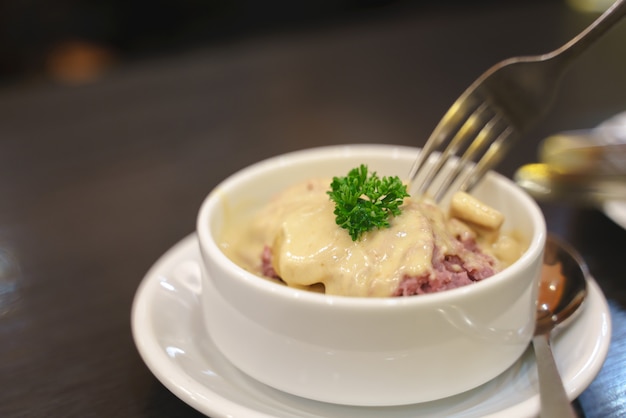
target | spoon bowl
[{"x": 562, "y": 290}]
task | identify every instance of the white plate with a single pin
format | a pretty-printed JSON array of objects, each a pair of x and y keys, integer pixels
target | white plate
[
  {"x": 169, "y": 333},
  {"x": 616, "y": 211}
]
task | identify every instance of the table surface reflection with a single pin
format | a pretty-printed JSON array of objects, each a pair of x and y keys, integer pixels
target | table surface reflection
[{"x": 100, "y": 179}]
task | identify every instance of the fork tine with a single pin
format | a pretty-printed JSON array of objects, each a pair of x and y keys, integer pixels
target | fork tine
[
  {"x": 449, "y": 124},
  {"x": 489, "y": 133},
  {"x": 484, "y": 137},
  {"x": 494, "y": 154},
  {"x": 468, "y": 131}
]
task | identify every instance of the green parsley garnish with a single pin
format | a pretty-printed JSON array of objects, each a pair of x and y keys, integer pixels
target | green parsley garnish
[{"x": 363, "y": 203}]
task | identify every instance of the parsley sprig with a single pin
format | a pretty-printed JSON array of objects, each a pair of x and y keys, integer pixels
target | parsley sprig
[{"x": 364, "y": 202}]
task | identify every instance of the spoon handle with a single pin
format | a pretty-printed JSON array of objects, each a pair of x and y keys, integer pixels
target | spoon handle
[{"x": 554, "y": 400}]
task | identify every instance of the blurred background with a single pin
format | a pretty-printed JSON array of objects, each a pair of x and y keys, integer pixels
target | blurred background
[
  {"x": 117, "y": 117},
  {"x": 75, "y": 40}
]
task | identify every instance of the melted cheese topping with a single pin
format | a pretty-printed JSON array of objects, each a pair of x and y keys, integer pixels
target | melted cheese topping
[{"x": 309, "y": 248}]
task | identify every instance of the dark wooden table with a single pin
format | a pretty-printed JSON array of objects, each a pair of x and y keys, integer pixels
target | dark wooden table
[{"x": 98, "y": 180}]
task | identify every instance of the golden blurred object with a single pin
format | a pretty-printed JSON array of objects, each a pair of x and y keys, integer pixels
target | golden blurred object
[
  {"x": 78, "y": 62},
  {"x": 546, "y": 184},
  {"x": 583, "y": 152}
]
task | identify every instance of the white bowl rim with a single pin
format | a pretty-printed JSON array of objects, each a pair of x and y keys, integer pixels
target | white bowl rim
[{"x": 277, "y": 290}]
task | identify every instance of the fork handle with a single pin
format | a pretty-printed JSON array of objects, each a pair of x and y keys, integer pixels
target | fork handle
[{"x": 577, "y": 45}]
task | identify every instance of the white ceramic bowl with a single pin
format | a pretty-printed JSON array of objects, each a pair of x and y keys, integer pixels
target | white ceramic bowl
[{"x": 365, "y": 351}]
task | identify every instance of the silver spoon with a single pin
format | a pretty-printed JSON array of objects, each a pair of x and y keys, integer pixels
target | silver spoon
[{"x": 563, "y": 289}]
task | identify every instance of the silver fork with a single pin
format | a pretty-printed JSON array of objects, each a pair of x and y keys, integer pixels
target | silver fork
[{"x": 496, "y": 109}]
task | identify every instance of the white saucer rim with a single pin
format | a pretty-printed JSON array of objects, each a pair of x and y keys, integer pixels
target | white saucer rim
[
  {"x": 178, "y": 381},
  {"x": 165, "y": 371},
  {"x": 615, "y": 210}
]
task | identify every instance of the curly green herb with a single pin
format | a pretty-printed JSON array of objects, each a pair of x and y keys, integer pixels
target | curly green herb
[{"x": 364, "y": 202}]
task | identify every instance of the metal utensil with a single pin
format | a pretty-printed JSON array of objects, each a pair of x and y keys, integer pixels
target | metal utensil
[
  {"x": 498, "y": 107},
  {"x": 588, "y": 189},
  {"x": 562, "y": 291},
  {"x": 581, "y": 167},
  {"x": 596, "y": 152}
]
